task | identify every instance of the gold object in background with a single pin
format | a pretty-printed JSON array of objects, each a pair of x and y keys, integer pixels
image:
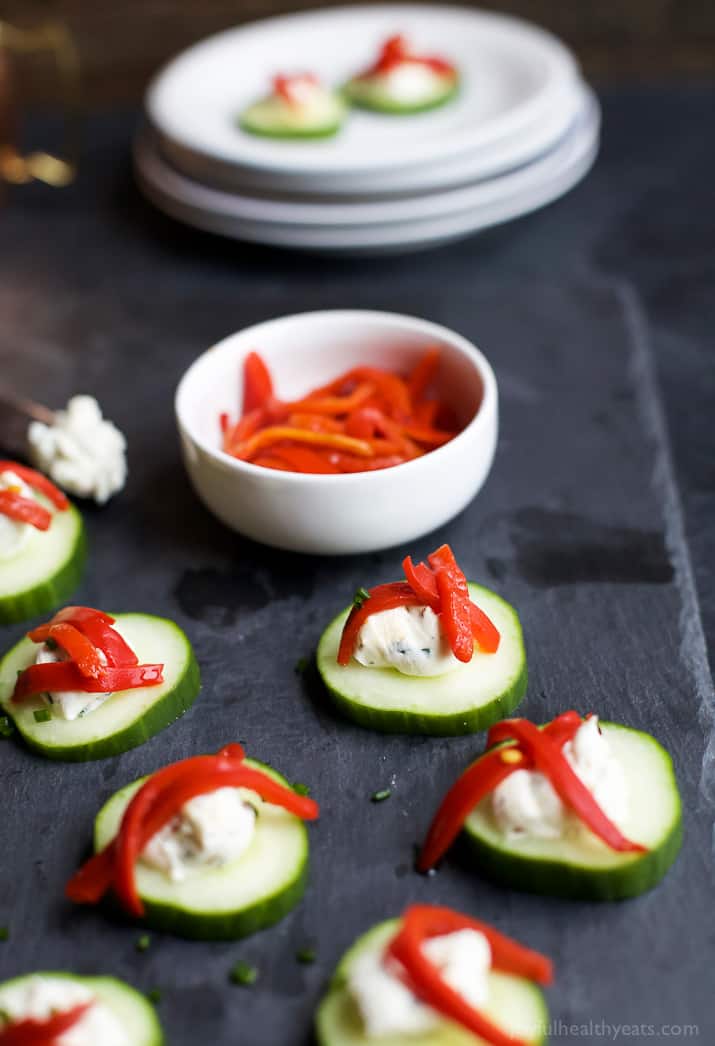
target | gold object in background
[{"x": 55, "y": 40}]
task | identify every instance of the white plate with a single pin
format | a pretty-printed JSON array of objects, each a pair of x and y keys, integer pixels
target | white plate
[
  {"x": 513, "y": 75},
  {"x": 505, "y": 153},
  {"x": 568, "y": 165},
  {"x": 351, "y": 215},
  {"x": 404, "y": 223}
]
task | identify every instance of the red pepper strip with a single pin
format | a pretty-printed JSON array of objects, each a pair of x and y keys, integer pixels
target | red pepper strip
[
  {"x": 548, "y": 758},
  {"x": 303, "y": 459},
  {"x": 382, "y": 597},
  {"x": 454, "y": 595},
  {"x": 278, "y": 433},
  {"x": 89, "y": 884},
  {"x": 423, "y": 581},
  {"x": 334, "y": 404},
  {"x": 61, "y": 676},
  {"x": 476, "y": 783},
  {"x": 78, "y": 648},
  {"x": 34, "y": 1032},
  {"x": 315, "y": 422},
  {"x": 224, "y": 422},
  {"x": 257, "y": 383},
  {"x": 24, "y": 510},
  {"x": 425, "y": 434},
  {"x": 422, "y": 922},
  {"x": 38, "y": 482},
  {"x": 423, "y": 374},
  {"x": 426, "y": 412},
  {"x": 97, "y": 627},
  {"x": 117, "y": 652},
  {"x": 243, "y": 429},
  {"x": 270, "y": 461},
  {"x": 391, "y": 387}
]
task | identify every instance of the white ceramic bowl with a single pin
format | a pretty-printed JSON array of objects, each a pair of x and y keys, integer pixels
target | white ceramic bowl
[{"x": 331, "y": 515}]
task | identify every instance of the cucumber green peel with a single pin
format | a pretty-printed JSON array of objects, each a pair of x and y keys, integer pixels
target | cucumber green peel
[
  {"x": 135, "y": 1014},
  {"x": 271, "y": 117},
  {"x": 126, "y": 719},
  {"x": 515, "y": 1004},
  {"x": 581, "y": 866},
  {"x": 46, "y": 571},
  {"x": 234, "y": 900},
  {"x": 463, "y": 701},
  {"x": 371, "y": 93}
]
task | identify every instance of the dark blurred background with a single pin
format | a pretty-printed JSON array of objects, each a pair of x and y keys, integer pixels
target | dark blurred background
[{"x": 122, "y": 42}]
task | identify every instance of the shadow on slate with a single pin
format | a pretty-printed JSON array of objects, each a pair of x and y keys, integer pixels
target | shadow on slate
[{"x": 569, "y": 527}]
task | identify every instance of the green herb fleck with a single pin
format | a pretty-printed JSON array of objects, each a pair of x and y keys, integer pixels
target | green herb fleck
[
  {"x": 301, "y": 789},
  {"x": 50, "y": 643},
  {"x": 7, "y": 727},
  {"x": 244, "y": 974},
  {"x": 42, "y": 715},
  {"x": 381, "y": 796},
  {"x": 143, "y": 943},
  {"x": 4, "y": 933},
  {"x": 306, "y": 956},
  {"x": 301, "y": 666},
  {"x": 154, "y": 996},
  {"x": 360, "y": 596}
]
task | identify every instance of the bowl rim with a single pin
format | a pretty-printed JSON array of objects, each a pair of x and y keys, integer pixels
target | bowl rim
[{"x": 415, "y": 323}]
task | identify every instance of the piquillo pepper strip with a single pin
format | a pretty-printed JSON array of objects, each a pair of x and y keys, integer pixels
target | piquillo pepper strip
[
  {"x": 454, "y": 601},
  {"x": 423, "y": 374},
  {"x": 32, "y": 1031},
  {"x": 78, "y": 648},
  {"x": 63, "y": 676},
  {"x": 24, "y": 510},
  {"x": 549, "y": 759},
  {"x": 97, "y": 627},
  {"x": 422, "y": 922},
  {"x": 38, "y": 482},
  {"x": 277, "y": 433},
  {"x": 257, "y": 383},
  {"x": 477, "y": 782},
  {"x": 382, "y": 597}
]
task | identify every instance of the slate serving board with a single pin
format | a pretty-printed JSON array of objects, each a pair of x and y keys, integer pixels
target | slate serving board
[{"x": 578, "y": 526}]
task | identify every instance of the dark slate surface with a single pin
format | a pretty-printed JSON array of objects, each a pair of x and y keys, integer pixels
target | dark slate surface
[{"x": 594, "y": 523}]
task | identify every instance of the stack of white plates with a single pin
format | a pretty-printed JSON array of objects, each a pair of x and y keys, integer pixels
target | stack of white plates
[{"x": 523, "y": 130}]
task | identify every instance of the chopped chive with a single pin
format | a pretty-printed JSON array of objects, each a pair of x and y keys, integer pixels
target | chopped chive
[
  {"x": 50, "y": 643},
  {"x": 4, "y": 933},
  {"x": 379, "y": 797},
  {"x": 42, "y": 715},
  {"x": 243, "y": 973},
  {"x": 301, "y": 789},
  {"x": 7, "y": 727},
  {"x": 143, "y": 943},
  {"x": 306, "y": 956},
  {"x": 154, "y": 996},
  {"x": 301, "y": 666},
  {"x": 360, "y": 596}
]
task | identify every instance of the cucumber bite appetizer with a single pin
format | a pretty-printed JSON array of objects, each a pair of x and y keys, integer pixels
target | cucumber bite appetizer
[
  {"x": 297, "y": 107},
  {"x": 86, "y": 685},
  {"x": 429, "y": 655},
  {"x": 212, "y": 847},
  {"x": 60, "y": 1009},
  {"x": 402, "y": 82},
  {"x": 42, "y": 544},
  {"x": 435, "y": 978},
  {"x": 576, "y": 808}
]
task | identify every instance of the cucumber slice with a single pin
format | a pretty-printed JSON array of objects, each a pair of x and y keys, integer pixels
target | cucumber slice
[
  {"x": 515, "y": 1004},
  {"x": 372, "y": 93},
  {"x": 468, "y": 699},
  {"x": 136, "y": 1015},
  {"x": 581, "y": 866},
  {"x": 126, "y": 719},
  {"x": 46, "y": 571},
  {"x": 246, "y": 895},
  {"x": 273, "y": 118}
]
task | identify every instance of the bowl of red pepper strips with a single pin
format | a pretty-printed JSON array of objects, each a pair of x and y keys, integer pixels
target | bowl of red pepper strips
[{"x": 340, "y": 431}]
